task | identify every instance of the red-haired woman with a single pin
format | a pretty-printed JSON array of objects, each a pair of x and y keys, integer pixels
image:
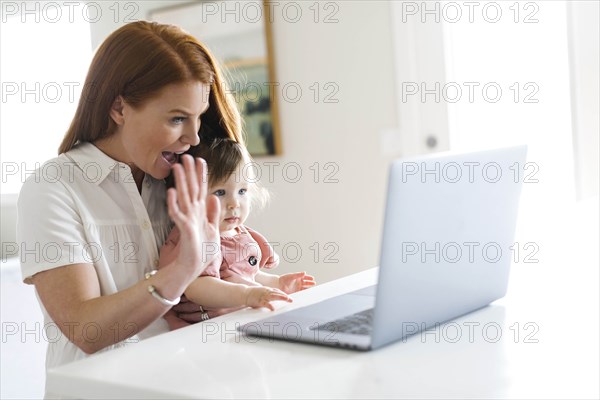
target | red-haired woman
[{"x": 91, "y": 221}]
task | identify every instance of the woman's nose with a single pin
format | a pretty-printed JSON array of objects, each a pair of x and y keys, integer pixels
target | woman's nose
[{"x": 191, "y": 136}]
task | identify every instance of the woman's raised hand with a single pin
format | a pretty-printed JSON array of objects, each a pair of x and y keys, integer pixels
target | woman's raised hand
[{"x": 195, "y": 214}]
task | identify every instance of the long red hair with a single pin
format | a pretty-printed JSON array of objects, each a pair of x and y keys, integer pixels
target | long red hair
[{"x": 136, "y": 61}]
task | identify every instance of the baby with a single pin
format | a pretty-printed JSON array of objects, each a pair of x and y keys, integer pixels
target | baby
[{"x": 235, "y": 280}]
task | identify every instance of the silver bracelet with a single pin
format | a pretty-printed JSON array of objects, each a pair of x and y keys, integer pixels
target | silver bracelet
[{"x": 152, "y": 290}]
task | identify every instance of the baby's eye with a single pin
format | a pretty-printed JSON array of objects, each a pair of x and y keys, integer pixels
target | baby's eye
[
  {"x": 178, "y": 120},
  {"x": 219, "y": 192},
  {"x": 243, "y": 191}
]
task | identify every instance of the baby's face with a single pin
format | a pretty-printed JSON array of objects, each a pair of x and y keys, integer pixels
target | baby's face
[{"x": 235, "y": 202}]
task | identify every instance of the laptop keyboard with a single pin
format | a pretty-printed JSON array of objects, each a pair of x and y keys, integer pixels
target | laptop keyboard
[{"x": 360, "y": 323}]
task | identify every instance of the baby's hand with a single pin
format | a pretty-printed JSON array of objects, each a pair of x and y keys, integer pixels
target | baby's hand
[
  {"x": 292, "y": 283},
  {"x": 261, "y": 296}
]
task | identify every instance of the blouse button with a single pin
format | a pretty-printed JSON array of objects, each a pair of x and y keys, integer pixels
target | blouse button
[
  {"x": 252, "y": 261},
  {"x": 146, "y": 225}
]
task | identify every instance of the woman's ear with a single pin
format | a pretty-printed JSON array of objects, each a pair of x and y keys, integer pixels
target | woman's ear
[{"x": 116, "y": 111}]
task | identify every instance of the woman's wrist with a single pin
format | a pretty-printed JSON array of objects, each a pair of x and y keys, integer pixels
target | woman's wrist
[
  {"x": 171, "y": 281},
  {"x": 156, "y": 294}
]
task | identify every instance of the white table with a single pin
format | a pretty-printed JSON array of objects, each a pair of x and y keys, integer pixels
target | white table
[{"x": 540, "y": 341}]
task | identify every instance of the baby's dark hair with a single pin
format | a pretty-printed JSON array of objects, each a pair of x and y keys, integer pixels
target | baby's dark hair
[{"x": 223, "y": 157}]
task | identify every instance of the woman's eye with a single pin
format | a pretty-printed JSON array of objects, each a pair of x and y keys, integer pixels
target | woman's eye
[
  {"x": 178, "y": 120},
  {"x": 219, "y": 193},
  {"x": 243, "y": 191}
]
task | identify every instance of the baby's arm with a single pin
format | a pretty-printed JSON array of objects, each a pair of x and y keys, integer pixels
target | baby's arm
[
  {"x": 266, "y": 279},
  {"x": 288, "y": 283},
  {"x": 213, "y": 292}
]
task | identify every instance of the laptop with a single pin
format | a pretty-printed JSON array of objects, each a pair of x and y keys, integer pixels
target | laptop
[{"x": 446, "y": 251}]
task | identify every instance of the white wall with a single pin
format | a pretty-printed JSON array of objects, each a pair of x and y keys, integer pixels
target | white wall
[
  {"x": 356, "y": 54},
  {"x": 343, "y": 218},
  {"x": 584, "y": 45},
  {"x": 8, "y": 216}
]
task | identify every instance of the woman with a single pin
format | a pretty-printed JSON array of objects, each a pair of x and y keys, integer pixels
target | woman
[{"x": 91, "y": 221}]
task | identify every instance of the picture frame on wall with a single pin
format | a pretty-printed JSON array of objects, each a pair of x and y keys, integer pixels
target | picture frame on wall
[{"x": 239, "y": 35}]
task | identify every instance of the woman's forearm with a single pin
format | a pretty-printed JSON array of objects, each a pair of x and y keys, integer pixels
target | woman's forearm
[{"x": 72, "y": 297}]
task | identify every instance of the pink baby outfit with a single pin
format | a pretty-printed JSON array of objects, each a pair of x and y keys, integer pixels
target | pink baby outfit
[{"x": 242, "y": 256}]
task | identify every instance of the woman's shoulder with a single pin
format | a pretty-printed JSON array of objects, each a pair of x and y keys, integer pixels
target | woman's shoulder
[
  {"x": 51, "y": 179},
  {"x": 47, "y": 174},
  {"x": 80, "y": 163}
]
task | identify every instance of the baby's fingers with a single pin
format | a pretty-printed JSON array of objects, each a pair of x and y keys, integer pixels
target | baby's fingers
[
  {"x": 278, "y": 295},
  {"x": 267, "y": 304},
  {"x": 307, "y": 284}
]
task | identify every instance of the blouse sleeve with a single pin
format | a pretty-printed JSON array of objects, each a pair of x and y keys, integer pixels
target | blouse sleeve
[
  {"x": 269, "y": 258},
  {"x": 213, "y": 268},
  {"x": 50, "y": 232}
]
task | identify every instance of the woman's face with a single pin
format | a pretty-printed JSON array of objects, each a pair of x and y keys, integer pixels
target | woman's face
[{"x": 152, "y": 136}]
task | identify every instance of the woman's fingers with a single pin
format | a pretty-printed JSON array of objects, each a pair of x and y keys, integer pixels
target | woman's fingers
[
  {"x": 191, "y": 317},
  {"x": 213, "y": 210},
  {"x": 187, "y": 307},
  {"x": 191, "y": 187},
  {"x": 172, "y": 206},
  {"x": 186, "y": 180},
  {"x": 197, "y": 316},
  {"x": 183, "y": 197},
  {"x": 201, "y": 178},
  {"x": 190, "y": 167}
]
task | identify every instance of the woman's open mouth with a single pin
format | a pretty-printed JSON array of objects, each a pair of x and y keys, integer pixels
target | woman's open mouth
[{"x": 170, "y": 157}]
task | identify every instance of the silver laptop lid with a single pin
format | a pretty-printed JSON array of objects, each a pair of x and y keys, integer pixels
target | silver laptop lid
[{"x": 449, "y": 225}]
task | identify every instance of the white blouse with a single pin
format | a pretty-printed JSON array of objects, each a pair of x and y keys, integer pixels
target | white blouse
[{"x": 84, "y": 207}]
